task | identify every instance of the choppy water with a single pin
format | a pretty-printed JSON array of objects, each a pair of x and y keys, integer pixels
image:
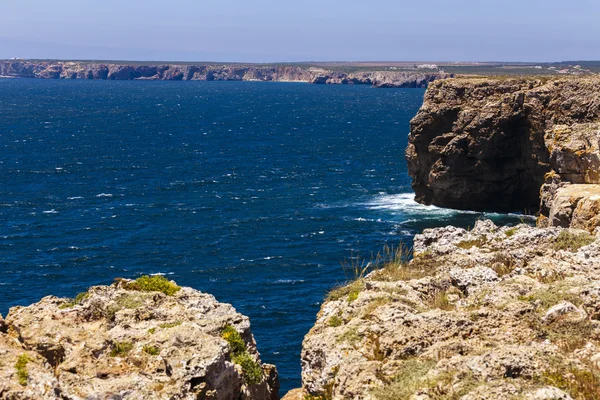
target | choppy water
[{"x": 253, "y": 192}]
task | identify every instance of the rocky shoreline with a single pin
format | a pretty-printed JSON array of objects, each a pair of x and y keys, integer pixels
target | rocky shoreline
[
  {"x": 214, "y": 72},
  {"x": 490, "y": 313},
  {"x": 143, "y": 339}
]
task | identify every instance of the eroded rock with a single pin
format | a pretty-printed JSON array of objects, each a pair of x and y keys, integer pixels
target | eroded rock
[
  {"x": 490, "y": 313},
  {"x": 118, "y": 342}
]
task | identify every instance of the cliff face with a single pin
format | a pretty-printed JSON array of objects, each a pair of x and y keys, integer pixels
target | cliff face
[
  {"x": 486, "y": 144},
  {"x": 125, "y": 341},
  {"x": 491, "y": 313},
  {"x": 84, "y": 70}
]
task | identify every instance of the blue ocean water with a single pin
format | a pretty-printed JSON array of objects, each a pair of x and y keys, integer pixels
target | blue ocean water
[{"x": 253, "y": 192}]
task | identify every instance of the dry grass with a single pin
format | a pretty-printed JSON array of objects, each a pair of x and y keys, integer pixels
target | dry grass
[
  {"x": 440, "y": 301},
  {"x": 396, "y": 265},
  {"x": 581, "y": 384},
  {"x": 571, "y": 241},
  {"x": 407, "y": 381},
  {"x": 467, "y": 244}
]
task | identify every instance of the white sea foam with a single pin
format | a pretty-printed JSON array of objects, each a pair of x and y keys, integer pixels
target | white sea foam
[
  {"x": 74, "y": 198},
  {"x": 104, "y": 195},
  {"x": 406, "y": 203},
  {"x": 292, "y": 281},
  {"x": 53, "y": 211}
]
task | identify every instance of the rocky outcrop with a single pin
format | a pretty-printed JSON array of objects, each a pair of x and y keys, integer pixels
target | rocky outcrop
[
  {"x": 214, "y": 72},
  {"x": 491, "y": 313},
  {"x": 490, "y": 143},
  {"x": 131, "y": 341}
]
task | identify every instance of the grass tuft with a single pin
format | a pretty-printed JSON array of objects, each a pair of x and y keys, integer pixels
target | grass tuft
[
  {"x": 21, "y": 367},
  {"x": 155, "y": 283},
  {"x": 151, "y": 350},
  {"x": 234, "y": 339},
  {"x": 571, "y": 241},
  {"x": 335, "y": 321},
  {"x": 253, "y": 373},
  {"x": 80, "y": 298},
  {"x": 467, "y": 244},
  {"x": 120, "y": 349},
  {"x": 251, "y": 369}
]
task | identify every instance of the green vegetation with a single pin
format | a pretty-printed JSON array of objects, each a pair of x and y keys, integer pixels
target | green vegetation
[
  {"x": 21, "y": 367},
  {"x": 234, "y": 339},
  {"x": 166, "y": 325},
  {"x": 546, "y": 298},
  {"x": 169, "y": 325},
  {"x": 349, "y": 291},
  {"x": 467, "y": 244},
  {"x": 335, "y": 321},
  {"x": 252, "y": 371},
  {"x": 151, "y": 350},
  {"x": 570, "y": 241},
  {"x": 120, "y": 349},
  {"x": 153, "y": 284},
  {"x": 80, "y": 298},
  {"x": 510, "y": 232}
]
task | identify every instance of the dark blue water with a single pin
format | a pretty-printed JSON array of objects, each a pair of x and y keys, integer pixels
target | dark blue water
[{"x": 253, "y": 192}]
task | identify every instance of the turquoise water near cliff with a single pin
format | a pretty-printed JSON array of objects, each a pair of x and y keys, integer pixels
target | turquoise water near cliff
[{"x": 253, "y": 192}]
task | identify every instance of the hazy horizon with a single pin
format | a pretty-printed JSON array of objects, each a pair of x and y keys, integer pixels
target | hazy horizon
[{"x": 266, "y": 31}]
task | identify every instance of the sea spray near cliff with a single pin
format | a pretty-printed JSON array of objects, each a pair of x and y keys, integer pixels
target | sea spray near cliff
[{"x": 252, "y": 192}]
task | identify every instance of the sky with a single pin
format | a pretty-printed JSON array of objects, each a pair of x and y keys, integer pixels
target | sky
[{"x": 306, "y": 30}]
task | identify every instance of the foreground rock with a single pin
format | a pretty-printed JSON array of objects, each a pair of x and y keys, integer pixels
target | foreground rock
[
  {"x": 491, "y": 313},
  {"x": 125, "y": 342},
  {"x": 214, "y": 72},
  {"x": 491, "y": 143}
]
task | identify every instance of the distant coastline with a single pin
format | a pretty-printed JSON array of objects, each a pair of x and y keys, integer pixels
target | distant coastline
[{"x": 376, "y": 77}]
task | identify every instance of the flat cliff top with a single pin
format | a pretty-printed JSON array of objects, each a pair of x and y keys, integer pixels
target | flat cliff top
[
  {"x": 143, "y": 339},
  {"x": 488, "y": 313}
]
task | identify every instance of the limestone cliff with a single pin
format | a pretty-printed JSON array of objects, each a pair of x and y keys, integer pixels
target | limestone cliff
[
  {"x": 491, "y": 313},
  {"x": 489, "y": 143},
  {"x": 144, "y": 339},
  {"x": 213, "y": 72}
]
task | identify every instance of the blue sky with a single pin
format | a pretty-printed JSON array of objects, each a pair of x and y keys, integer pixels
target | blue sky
[{"x": 317, "y": 30}]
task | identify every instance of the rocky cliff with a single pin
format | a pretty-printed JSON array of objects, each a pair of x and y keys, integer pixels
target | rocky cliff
[
  {"x": 491, "y": 313},
  {"x": 213, "y": 72},
  {"x": 491, "y": 143},
  {"x": 143, "y": 339}
]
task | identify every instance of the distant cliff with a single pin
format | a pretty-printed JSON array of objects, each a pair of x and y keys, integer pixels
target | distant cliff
[
  {"x": 491, "y": 143},
  {"x": 213, "y": 72}
]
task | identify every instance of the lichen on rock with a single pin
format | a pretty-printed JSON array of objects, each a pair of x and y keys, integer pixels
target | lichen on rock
[{"x": 144, "y": 339}]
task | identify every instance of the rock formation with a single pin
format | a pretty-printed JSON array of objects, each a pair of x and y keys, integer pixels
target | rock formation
[
  {"x": 129, "y": 340},
  {"x": 213, "y": 72},
  {"x": 491, "y": 313},
  {"x": 491, "y": 143}
]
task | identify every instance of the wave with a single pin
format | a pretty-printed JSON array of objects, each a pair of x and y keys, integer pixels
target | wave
[{"x": 405, "y": 204}]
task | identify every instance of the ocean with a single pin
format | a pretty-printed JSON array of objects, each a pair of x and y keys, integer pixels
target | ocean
[{"x": 254, "y": 192}]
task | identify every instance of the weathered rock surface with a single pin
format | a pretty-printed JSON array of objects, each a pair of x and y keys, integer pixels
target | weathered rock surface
[
  {"x": 117, "y": 343},
  {"x": 488, "y": 144},
  {"x": 214, "y": 72},
  {"x": 491, "y": 313}
]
